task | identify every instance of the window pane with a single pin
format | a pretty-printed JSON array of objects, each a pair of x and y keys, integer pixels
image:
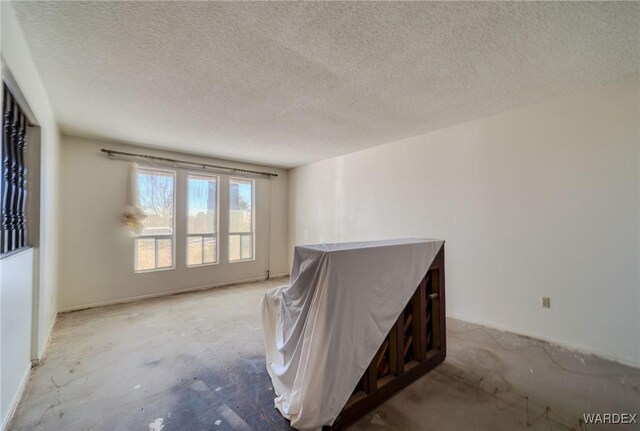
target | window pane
[
  {"x": 202, "y": 205},
  {"x": 145, "y": 254},
  {"x": 240, "y": 219},
  {"x": 209, "y": 253},
  {"x": 155, "y": 197},
  {"x": 194, "y": 250},
  {"x": 165, "y": 253},
  {"x": 246, "y": 251},
  {"x": 234, "y": 247},
  {"x": 240, "y": 199}
]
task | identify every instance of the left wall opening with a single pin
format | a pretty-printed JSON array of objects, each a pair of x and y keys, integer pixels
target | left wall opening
[
  {"x": 19, "y": 269},
  {"x": 29, "y": 277}
]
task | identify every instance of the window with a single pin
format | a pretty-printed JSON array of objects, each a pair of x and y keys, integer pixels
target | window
[
  {"x": 240, "y": 219},
  {"x": 202, "y": 222},
  {"x": 156, "y": 196},
  {"x": 13, "y": 220}
]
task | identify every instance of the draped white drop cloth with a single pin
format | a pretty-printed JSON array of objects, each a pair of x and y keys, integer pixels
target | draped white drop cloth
[{"x": 322, "y": 330}]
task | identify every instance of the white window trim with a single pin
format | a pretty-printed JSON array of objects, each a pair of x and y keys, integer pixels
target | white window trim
[
  {"x": 253, "y": 221},
  {"x": 217, "y": 233},
  {"x": 173, "y": 229}
]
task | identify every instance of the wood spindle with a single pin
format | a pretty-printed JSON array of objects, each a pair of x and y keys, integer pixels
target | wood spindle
[
  {"x": 396, "y": 342},
  {"x": 419, "y": 326}
]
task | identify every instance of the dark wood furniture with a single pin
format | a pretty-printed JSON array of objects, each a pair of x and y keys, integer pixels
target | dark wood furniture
[{"x": 415, "y": 345}]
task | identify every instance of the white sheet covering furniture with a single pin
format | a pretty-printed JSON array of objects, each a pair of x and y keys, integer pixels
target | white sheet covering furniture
[{"x": 322, "y": 330}]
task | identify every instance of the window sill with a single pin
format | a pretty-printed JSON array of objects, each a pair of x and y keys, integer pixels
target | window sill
[
  {"x": 242, "y": 260},
  {"x": 146, "y": 271},
  {"x": 202, "y": 264}
]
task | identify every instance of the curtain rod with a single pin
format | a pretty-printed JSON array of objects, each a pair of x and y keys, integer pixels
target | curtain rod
[{"x": 114, "y": 154}]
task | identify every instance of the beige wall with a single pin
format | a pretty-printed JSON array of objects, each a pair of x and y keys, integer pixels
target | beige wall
[
  {"x": 537, "y": 201},
  {"x": 97, "y": 252}
]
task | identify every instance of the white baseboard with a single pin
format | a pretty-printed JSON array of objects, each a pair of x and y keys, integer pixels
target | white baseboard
[
  {"x": 569, "y": 346},
  {"x": 17, "y": 397},
  {"x": 160, "y": 294}
]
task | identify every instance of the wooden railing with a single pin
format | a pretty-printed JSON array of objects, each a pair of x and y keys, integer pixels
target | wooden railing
[{"x": 13, "y": 181}]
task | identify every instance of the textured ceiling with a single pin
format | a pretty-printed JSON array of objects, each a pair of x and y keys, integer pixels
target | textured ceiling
[{"x": 289, "y": 83}]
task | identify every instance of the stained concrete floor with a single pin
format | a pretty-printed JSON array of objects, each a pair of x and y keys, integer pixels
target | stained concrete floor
[{"x": 195, "y": 362}]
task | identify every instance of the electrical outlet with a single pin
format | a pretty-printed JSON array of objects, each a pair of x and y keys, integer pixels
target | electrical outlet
[{"x": 546, "y": 302}]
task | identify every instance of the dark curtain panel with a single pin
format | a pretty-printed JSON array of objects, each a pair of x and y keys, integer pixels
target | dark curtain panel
[{"x": 14, "y": 179}]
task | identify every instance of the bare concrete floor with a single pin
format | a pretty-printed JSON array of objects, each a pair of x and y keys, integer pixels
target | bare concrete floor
[{"x": 195, "y": 362}]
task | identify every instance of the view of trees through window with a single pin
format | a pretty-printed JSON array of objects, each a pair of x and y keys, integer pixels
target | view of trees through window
[
  {"x": 240, "y": 219},
  {"x": 202, "y": 238},
  {"x": 155, "y": 193},
  {"x": 156, "y": 197}
]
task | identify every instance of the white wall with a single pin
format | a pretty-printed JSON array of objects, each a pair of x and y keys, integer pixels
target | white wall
[
  {"x": 25, "y": 287},
  {"x": 97, "y": 252},
  {"x": 540, "y": 200}
]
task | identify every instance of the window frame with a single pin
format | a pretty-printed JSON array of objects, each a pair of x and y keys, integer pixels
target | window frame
[
  {"x": 253, "y": 222},
  {"x": 216, "y": 235},
  {"x": 171, "y": 236}
]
